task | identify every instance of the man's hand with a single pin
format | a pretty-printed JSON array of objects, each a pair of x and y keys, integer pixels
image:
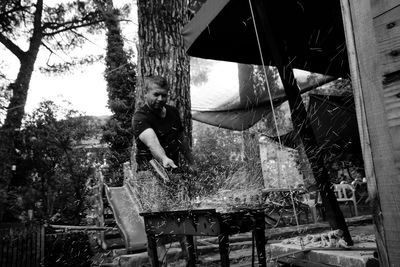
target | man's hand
[
  {"x": 168, "y": 163},
  {"x": 149, "y": 138}
]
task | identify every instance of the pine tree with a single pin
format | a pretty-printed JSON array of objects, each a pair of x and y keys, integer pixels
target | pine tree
[
  {"x": 120, "y": 75},
  {"x": 38, "y": 25}
]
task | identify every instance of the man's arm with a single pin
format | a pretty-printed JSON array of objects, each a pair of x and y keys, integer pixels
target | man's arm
[{"x": 149, "y": 138}]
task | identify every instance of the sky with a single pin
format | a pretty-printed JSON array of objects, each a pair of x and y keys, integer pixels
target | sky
[{"x": 85, "y": 88}]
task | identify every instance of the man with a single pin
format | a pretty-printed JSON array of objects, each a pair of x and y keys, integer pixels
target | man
[
  {"x": 158, "y": 134},
  {"x": 158, "y": 129}
]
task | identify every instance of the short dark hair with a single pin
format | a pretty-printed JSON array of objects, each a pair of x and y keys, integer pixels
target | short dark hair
[{"x": 155, "y": 80}]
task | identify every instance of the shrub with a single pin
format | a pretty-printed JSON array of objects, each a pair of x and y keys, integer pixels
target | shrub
[{"x": 68, "y": 250}]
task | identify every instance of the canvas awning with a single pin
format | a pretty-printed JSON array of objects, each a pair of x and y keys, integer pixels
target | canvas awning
[
  {"x": 224, "y": 30},
  {"x": 226, "y": 110},
  {"x": 312, "y": 30},
  {"x": 303, "y": 34}
]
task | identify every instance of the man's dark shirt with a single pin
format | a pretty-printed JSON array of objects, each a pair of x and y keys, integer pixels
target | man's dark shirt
[{"x": 167, "y": 130}]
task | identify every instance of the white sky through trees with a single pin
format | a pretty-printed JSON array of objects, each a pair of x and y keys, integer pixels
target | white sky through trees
[{"x": 85, "y": 87}]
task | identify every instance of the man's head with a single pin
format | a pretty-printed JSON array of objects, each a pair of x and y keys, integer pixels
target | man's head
[{"x": 156, "y": 92}]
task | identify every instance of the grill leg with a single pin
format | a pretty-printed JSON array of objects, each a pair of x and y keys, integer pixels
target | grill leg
[
  {"x": 191, "y": 251},
  {"x": 259, "y": 233},
  {"x": 223, "y": 242},
  {"x": 152, "y": 250}
]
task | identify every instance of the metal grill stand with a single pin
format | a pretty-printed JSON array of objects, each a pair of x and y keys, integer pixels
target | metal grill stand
[{"x": 205, "y": 222}]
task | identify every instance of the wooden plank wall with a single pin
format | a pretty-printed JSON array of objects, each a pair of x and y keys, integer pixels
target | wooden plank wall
[
  {"x": 381, "y": 6},
  {"x": 387, "y": 29},
  {"x": 372, "y": 30}
]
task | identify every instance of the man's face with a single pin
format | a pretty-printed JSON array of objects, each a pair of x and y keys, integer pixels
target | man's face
[{"x": 156, "y": 97}]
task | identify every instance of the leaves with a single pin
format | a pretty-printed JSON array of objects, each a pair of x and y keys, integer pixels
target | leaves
[
  {"x": 35, "y": 24},
  {"x": 13, "y": 13},
  {"x": 199, "y": 69},
  {"x": 120, "y": 75},
  {"x": 64, "y": 67},
  {"x": 52, "y": 160}
]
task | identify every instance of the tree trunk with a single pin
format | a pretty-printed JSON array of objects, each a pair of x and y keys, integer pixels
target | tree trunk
[
  {"x": 247, "y": 99},
  {"x": 246, "y": 85},
  {"x": 249, "y": 149},
  {"x": 10, "y": 130},
  {"x": 16, "y": 109},
  {"x": 161, "y": 52},
  {"x": 305, "y": 166}
]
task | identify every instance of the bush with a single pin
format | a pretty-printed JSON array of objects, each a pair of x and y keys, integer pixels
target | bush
[
  {"x": 68, "y": 250},
  {"x": 224, "y": 159}
]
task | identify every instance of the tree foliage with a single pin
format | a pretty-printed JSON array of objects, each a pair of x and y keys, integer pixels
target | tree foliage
[
  {"x": 199, "y": 70},
  {"x": 33, "y": 24},
  {"x": 4, "y": 98},
  {"x": 51, "y": 170},
  {"x": 213, "y": 148},
  {"x": 120, "y": 75},
  {"x": 59, "y": 26},
  {"x": 222, "y": 161}
]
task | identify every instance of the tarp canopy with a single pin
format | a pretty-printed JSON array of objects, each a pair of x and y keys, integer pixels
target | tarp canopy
[
  {"x": 312, "y": 31},
  {"x": 226, "y": 108}
]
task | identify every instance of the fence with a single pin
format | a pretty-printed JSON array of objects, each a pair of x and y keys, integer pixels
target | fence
[{"x": 21, "y": 245}]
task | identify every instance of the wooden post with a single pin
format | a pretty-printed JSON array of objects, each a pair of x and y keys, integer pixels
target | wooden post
[
  {"x": 372, "y": 33},
  {"x": 300, "y": 120},
  {"x": 259, "y": 236},
  {"x": 42, "y": 245},
  {"x": 152, "y": 250},
  {"x": 223, "y": 243},
  {"x": 190, "y": 250}
]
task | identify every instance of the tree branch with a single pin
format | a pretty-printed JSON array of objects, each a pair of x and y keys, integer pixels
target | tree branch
[
  {"x": 73, "y": 27},
  {"x": 51, "y": 52},
  {"x": 15, "y": 9},
  {"x": 10, "y": 45},
  {"x": 56, "y": 25},
  {"x": 37, "y": 28},
  {"x": 84, "y": 37}
]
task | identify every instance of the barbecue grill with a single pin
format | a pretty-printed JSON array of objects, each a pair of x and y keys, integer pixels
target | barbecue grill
[{"x": 205, "y": 222}]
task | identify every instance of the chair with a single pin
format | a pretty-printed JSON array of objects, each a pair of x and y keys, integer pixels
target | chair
[
  {"x": 313, "y": 200},
  {"x": 346, "y": 193},
  {"x": 311, "y": 204}
]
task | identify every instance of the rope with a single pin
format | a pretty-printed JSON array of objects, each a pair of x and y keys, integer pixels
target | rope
[{"x": 273, "y": 112}]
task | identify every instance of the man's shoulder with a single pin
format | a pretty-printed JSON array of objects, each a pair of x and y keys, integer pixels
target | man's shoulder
[
  {"x": 142, "y": 109},
  {"x": 141, "y": 112},
  {"x": 141, "y": 120}
]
